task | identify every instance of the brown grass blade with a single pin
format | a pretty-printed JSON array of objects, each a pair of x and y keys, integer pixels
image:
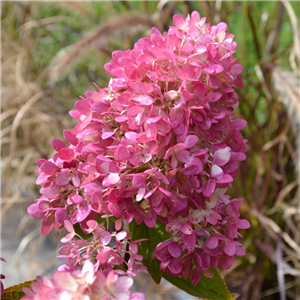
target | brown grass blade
[
  {"x": 294, "y": 24},
  {"x": 19, "y": 116},
  {"x": 280, "y": 274},
  {"x": 288, "y": 85},
  {"x": 42, "y": 22},
  {"x": 164, "y": 10},
  {"x": 116, "y": 27},
  {"x": 217, "y": 17},
  {"x": 74, "y": 6},
  {"x": 275, "y": 230}
]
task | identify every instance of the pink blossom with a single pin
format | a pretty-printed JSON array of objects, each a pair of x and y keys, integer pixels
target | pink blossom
[
  {"x": 106, "y": 257},
  {"x": 85, "y": 284},
  {"x": 159, "y": 143}
]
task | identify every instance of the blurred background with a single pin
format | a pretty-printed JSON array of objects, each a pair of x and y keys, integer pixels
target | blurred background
[{"x": 51, "y": 52}]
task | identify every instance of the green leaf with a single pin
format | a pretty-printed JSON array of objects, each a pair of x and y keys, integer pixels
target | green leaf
[
  {"x": 14, "y": 292},
  {"x": 211, "y": 288},
  {"x": 155, "y": 236},
  {"x": 79, "y": 231},
  {"x": 100, "y": 220}
]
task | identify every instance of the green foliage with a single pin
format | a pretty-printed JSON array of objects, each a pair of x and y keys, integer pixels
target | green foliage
[
  {"x": 14, "y": 292},
  {"x": 100, "y": 220},
  {"x": 212, "y": 288},
  {"x": 154, "y": 236}
]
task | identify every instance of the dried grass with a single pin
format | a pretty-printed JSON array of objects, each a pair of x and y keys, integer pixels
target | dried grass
[{"x": 115, "y": 28}]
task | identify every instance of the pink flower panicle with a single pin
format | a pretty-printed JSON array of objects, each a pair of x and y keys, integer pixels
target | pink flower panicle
[
  {"x": 159, "y": 143},
  {"x": 85, "y": 284},
  {"x": 106, "y": 257}
]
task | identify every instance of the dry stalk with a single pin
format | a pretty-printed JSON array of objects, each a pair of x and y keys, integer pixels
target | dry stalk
[{"x": 97, "y": 40}]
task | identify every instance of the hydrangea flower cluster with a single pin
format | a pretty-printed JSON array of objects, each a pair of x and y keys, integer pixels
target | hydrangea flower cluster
[
  {"x": 85, "y": 284},
  {"x": 159, "y": 143},
  {"x": 78, "y": 251}
]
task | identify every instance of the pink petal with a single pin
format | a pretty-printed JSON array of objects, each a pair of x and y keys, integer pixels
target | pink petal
[
  {"x": 236, "y": 69},
  {"x": 107, "y": 134},
  {"x": 66, "y": 154},
  {"x": 47, "y": 224},
  {"x": 82, "y": 213},
  {"x": 58, "y": 144},
  {"x": 232, "y": 210},
  {"x": 225, "y": 262},
  {"x": 121, "y": 119},
  {"x": 42, "y": 178},
  {"x": 143, "y": 100},
  {"x": 125, "y": 98},
  {"x": 133, "y": 248},
  {"x": 191, "y": 140},
  {"x": 49, "y": 168},
  {"x": 103, "y": 257},
  {"x": 239, "y": 252},
  {"x": 121, "y": 153},
  {"x": 75, "y": 114},
  {"x": 75, "y": 179},
  {"x": 169, "y": 153},
  {"x": 194, "y": 32},
  {"x": 83, "y": 107},
  {"x": 242, "y": 224},
  {"x": 225, "y": 179},
  {"x": 195, "y": 16},
  {"x": 205, "y": 38},
  {"x": 216, "y": 172},
  {"x": 183, "y": 156},
  {"x": 134, "y": 110},
  {"x": 138, "y": 296},
  {"x": 239, "y": 124},
  {"x": 63, "y": 178},
  {"x": 179, "y": 21},
  {"x": 200, "y": 48},
  {"x": 186, "y": 228},
  {"x": 174, "y": 249},
  {"x": 121, "y": 286},
  {"x": 81, "y": 125},
  {"x": 65, "y": 280},
  {"x": 139, "y": 181},
  {"x": 212, "y": 218},
  {"x": 209, "y": 188},
  {"x": 113, "y": 167},
  {"x": 105, "y": 238},
  {"x": 100, "y": 107},
  {"x": 140, "y": 194},
  {"x": 35, "y": 211},
  {"x": 77, "y": 199},
  {"x": 212, "y": 242},
  {"x": 215, "y": 97},
  {"x": 88, "y": 272},
  {"x": 121, "y": 235},
  {"x": 71, "y": 138},
  {"x": 50, "y": 192},
  {"x": 175, "y": 266},
  {"x": 69, "y": 226},
  {"x": 221, "y": 157},
  {"x": 115, "y": 210},
  {"x": 62, "y": 216},
  {"x": 111, "y": 179},
  {"x": 228, "y": 248}
]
